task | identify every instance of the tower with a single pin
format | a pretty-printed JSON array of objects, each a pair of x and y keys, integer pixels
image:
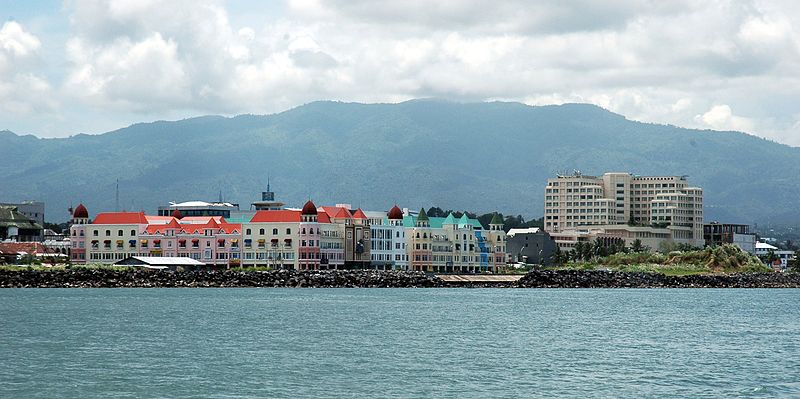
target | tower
[
  {"x": 496, "y": 223},
  {"x": 80, "y": 215}
]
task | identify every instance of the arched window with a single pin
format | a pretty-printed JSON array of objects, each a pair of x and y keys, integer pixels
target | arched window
[
  {"x": 261, "y": 231},
  {"x": 108, "y": 233},
  {"x": 248, "y": 232},
  {"x": 274, "y": 232},
  {"x": 304, "y": 231}
]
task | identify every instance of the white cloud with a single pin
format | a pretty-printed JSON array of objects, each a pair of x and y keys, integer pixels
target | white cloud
[
  {"x": 670, "y": 62},
  {"x": 23, "y": 93},
  {"x": 720, "y": 117}
]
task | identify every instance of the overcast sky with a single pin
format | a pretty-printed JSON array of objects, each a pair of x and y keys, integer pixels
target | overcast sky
[{"x": 85, "y": 66}]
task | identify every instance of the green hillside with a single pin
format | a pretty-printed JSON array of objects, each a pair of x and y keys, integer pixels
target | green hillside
[{"x": 476, "y": 156}]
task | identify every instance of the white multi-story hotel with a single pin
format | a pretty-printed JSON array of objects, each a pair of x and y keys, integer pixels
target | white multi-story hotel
[{"x": 654, "y": 209}]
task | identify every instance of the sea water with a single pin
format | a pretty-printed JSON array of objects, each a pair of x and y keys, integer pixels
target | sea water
[{"x": 399, "y": 343}]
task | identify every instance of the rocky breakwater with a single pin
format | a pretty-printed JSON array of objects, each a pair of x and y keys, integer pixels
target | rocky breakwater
[
  {"x": 107, "y": 278},
  {"x": 611, "y": 279}
]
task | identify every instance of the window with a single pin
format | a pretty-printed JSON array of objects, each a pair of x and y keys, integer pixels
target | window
[
  {"x": 108, "y": 233},
  {"x": 119, "y": 233},
  {"x": 261, "y": 231},
  {"x": 248, "y": 232},
  {"x": 288, "y": 231},
  {"x": 275, "y": 232}
]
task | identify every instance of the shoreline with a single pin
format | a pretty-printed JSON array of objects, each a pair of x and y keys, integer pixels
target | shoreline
[{"x": 141, "y": 278}]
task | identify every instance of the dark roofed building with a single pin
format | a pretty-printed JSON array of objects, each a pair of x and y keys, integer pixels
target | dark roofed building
[{"x": 15, "y": 226}]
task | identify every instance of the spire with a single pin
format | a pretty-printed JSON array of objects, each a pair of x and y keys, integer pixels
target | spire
[
  {"x": 449, "y": 219},
  {"x": 423, "y": 217},
  {"x": 496, "y": 219}
]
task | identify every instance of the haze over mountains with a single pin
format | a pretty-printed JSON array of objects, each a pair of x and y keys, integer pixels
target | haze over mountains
[{"x": 475, "y": 156}]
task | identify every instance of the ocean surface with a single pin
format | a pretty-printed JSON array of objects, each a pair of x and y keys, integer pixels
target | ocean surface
[{"x": 399, "y": 343}]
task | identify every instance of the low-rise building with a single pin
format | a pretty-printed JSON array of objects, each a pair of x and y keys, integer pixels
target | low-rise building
[
  {"x": 33, "y": 210},
  {"x": 782, "y": 257},
  {"x": 716, "y": 233},
  {"x": 14, "y": 226},
  {"x": 530, "y": 246}
]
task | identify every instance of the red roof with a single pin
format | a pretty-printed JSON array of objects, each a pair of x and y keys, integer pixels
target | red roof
[
  {"x": 337, "y": 212},
  {"x": 158, "y": 219},
  {"x": 309, "y": 208},
  {"x": 276, "y": 216},
  {"x": 14, "y": 248},
  {"x": 120, "y": 218},
  {"x": 194, "y": 228},
  {"x": 177, "y": 214},
  {"x": 395, "y": 213},
  {"x": 359, "y": 214},
  {"x": 322, "y": 217},
  {"x": 80, "y": 212}
]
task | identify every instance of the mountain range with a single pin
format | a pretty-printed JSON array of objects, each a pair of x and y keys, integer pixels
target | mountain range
[{"x": 474, "y": 156}]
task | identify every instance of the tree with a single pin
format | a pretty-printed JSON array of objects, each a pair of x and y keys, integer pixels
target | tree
[
  {"x": 558, "y": 256},
  {"x": 795, "y": 262},
  {"x": 578, "y": 255},
  {"x": 636, "y": 246}
]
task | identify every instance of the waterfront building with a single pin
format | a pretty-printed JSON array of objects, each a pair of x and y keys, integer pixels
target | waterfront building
[
  {"x": 113, "y": 236},
  {"x": 716, "y": 233},
  {"x": 655, "y": 209},
  {"x": 14, "y": 226},
  {"x": 450, "y": 245},
  {"x": 270, "y": 239},
  {"x": 782, "y": 256},
  {"x": 530, "y": 246},
  {"x": 33, "y": 210},
  {"x": 388, "y": 246},
  {"x": 354, "y": 227}
]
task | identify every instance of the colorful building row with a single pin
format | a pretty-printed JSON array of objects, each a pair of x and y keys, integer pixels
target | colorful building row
[{"x": 311, "y": 238}]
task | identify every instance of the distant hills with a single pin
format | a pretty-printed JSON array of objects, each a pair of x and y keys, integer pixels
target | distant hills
[{"x": 474, "y": 156}]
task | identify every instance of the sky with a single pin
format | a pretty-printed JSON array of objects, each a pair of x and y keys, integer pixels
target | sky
[{"x": 87, "y": 66}]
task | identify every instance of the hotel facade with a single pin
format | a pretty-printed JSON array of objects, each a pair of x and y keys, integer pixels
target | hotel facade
[{"x": 653, "y": 209}]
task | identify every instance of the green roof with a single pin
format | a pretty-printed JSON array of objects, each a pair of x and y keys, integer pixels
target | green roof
[
  {"x": 496, "y": 219},
  {"x": 438, "y": 223},
  {"x": 449, "y": 219},
  {"x": 422, "y": 215}
]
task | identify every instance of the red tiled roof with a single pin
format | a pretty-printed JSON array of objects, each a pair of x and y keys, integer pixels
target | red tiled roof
[
  {"x": 322, "y": 217},
  {"x": 158, "y": 219},
  {"x": 359, "y": 214},
  {"x": 276, "y": 216},
  {"x": 13, "y": 248},
  {"x": 200, "y": 219},
  {"x": 120, "y": 218},
  {"x": 337, "y": 212}
]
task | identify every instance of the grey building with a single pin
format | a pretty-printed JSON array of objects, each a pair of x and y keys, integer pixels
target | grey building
[
  {"x": 14, "y": 226},
  {"x": 530, "y": 246},
  {"x": 33, "y": 210}
]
